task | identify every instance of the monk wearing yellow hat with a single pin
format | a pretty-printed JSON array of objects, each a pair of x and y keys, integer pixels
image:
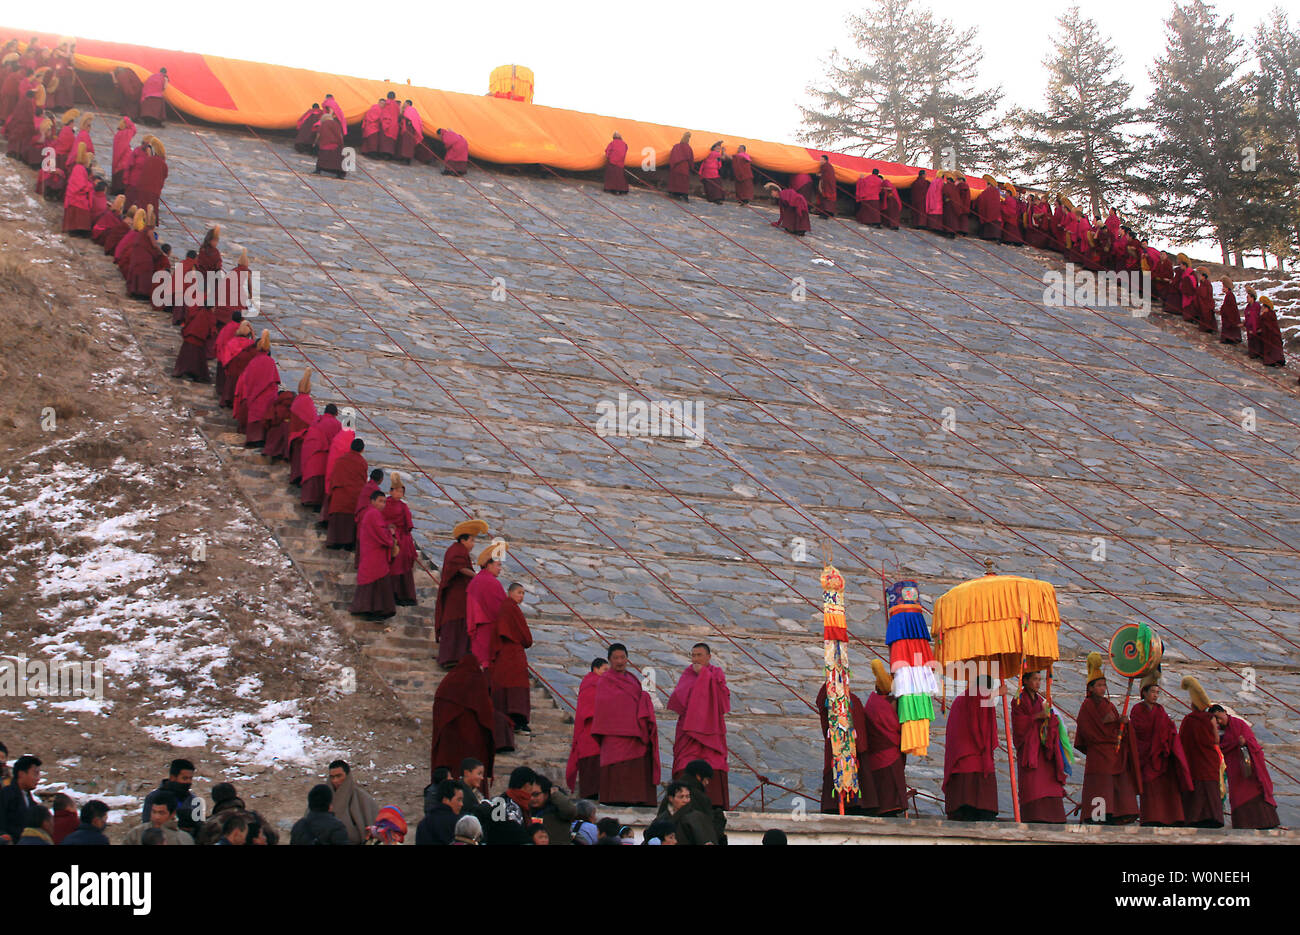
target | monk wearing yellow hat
[
  {"x": 453, "y": 582},
  {"x": 1110, "y": 777},
  {"x": 885, "y": 763},
  {"x": 1203, "y": 803},
  {"x": 1165, "y": 776}
]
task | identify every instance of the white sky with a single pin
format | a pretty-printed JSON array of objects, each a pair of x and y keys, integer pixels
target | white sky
[{"x": 735, "y": 68}]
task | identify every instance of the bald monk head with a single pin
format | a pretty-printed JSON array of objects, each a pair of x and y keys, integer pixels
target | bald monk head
[{"x": 358, "y": 445}]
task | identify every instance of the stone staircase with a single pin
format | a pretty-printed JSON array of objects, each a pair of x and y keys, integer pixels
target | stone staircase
[{"x": 402, "y": 651}]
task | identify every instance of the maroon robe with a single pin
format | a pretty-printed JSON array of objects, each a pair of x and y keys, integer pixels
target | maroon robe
[
  {"x": 886, "y": 763},
  {"x": 1205, "y": 305},
  {"x": 343, "y": 486},
  {"x": 374, "y": 593},
  {"x": 893, "y": 205},
  {"x": 701, "y": 703},
  {"x": 106, "y": 223},
  {"x": 508, "y": 674},
  {"x": 449, "y": 612},
  {"x": 865, "y": 801},
  {"x": 402, "y": 568},
  {"x": 1230, "y": 318},
  {"x": 615, "y": 168},
  {"x": 302, "y": 415},
  {"x": 370, "y": 130},
  {"x": 307, "y": 124},
  {"x": 954, "y": 222},
  {"x": 462, "y": 720},
  {"x": 970, "y": 786},
  {"x": 1165, "y": 776},
  {"x": 78, "y": 200},
  {"x": 1202, "y": 804},
  {"x": 988, "y": 210},
  {"x": 625, "y": 728},
  {"x": 315, "y": 449},
  {"x": 1040, "y": 769},
  {"x": 793, "y": 218},
  {"x": 920, "y": 188},
  {"x": 255, "y": 393},
  {"x": 150, "y": 174},
  {"x": 128, "y": 91},
  {"x": 192, "y": 360},
  {"x": 582, "y": 774},
  {"x": 389, "y": 126},
  {"x": 827, "y": 191},
  {"x": 1111, "y": 776},
  {"x": 329, "y": 146},
  {"x": 1250, "y": 788},
  {"x": 680, "y": 160},
  {"x": 742, "y": 170},
  {"x": 868, "y": 198},
  {"x": 277, "y": 426},
  {"x": 152, "y": 103},
  {"x": 1271, "y": 353},
  {"x": 233, "y": 371},
  {"x": 1011, "y": 221}
]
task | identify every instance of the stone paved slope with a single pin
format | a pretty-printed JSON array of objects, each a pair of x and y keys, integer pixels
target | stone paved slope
[{"x": 822, "y": 418}]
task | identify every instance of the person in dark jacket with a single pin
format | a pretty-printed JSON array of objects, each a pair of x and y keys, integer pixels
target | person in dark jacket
[
  {"x": 94, "y": 816},
  {"x": 505, "y": 818},
  {"x": 16, "y": 798},
  {"x": 224, "y": 799},
  {"x": 439, "y": 824},
  {"x": 700, "y": 821},
  {"x": 234, "y": 831},
  {"x": 37, "y": 827},
  {"x": 318, "y": 826},
  {"x": 189, "y": 807},
  {"x": 556, "y": 811}
]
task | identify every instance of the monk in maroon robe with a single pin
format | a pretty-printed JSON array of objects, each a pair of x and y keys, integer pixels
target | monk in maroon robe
[
  {"x": 129, "y": 87},
  {"x": 343, "y": 486},
  {"x": 867, "y": 194},
  {"x": 1187, "y": 287},
  {"x": 625, "y": 728},
  {"x": 402, "y": 568},
  {"x": 963, "y": 205},
  {"x": 919, "y": 191},
  {"x": 954, "y": 222},
  {"x": 153, "y": 108},
  {"x": 456, "y": 147},
  {"x": 892, "y": 208},
  {"x": 376, "y": 548},
  {"x": 1270, "y": 335},
  {"x": 1250, "y": 788},
  {"x": 701, "y": 702},
  {"x": 885, "y": 765},
  {"x": 1229, "y": 314},
  {"x": 934, "y": 204},
  {"x": 582, "y": 773},
  {"x": 276, "y": 447},
  {"x": 1162, "y": 281},
  {"x": 509, "y": 672},
  {"x": 1165, "y": 775},
  {"x": 1040, "y": 763},
  {"x": 79, "y": 197},
  {"x": 410, "y": 132},
  {"x": 192, "y": 359},
  {"x": 256, "y": 392},
  {"x": 149, "y": 174},
  {"x": 462, "y": 720},
  {"x": 1205, "y": 301},
  {"x": 121, "y": 154},
  {"x": 483, "y": 600},
  {"x": 329, "y": 146},
  {"x": 370, "y": 129},
  {"x": 864, "y": 803},
  {"x": 793, "y": 217},
  {"x": 315, "y": 449},
  {"x": 680, "y": 161},
  {"x": 827, "y": 191},
  {"x": 1199, "y": 735},
  {"x": 1250, "y": 322},
  {"x": 711, "y": 174},
  {"x": 453, "y": 581},
  {"x": 302, "y": 414},
  {"x": 988, "y": 209},
  {"x": 615, "y": 166},
  {"x": 742, "y": 170},
  {"x": 389, "y": 126},
  {"x": 970, "y": 786},
  {"x": 1111, "y": 777},
  {"x": 1011, "y": 210},
  {"x": 305, "y": 139},
  {"x": 108, "y": 220},
  {"x": 65, "y": 142}
]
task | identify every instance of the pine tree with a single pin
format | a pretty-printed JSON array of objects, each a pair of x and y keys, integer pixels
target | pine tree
[
  {"x": 1078, "y": 142},
  {"x": 1276, "y": 131},
  {"x": 1195, "y": 174},
  {"x": 910, "y": 93}
]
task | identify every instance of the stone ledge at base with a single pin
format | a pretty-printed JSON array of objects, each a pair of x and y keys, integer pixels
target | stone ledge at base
[{"x": 748, "y": 828}]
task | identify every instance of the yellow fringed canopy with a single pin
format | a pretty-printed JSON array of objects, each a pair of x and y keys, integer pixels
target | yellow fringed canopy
[
  {"x": 1003, "y": 618},
  {"x": 916, "y": 738}
]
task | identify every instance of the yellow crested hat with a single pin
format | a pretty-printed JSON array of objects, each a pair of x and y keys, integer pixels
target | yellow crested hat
[
  {"x": 884, "y": 681},
  {"x": 496, "y": 550},
  {"x": 1195, "y": 693},
  {"x": 1094, "y": 667},
  {"x": 469, "y": 527}
]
